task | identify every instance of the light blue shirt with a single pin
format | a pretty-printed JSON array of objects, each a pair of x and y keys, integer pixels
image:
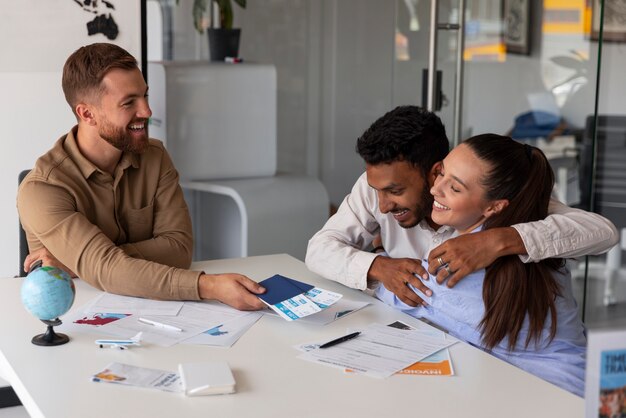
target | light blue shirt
[{"x": 459, "y": 311}]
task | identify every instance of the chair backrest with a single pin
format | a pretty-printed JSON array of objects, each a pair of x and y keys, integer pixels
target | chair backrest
[
  {"x": 23, "y": 241},
  {"x": 610, "y": 180}
]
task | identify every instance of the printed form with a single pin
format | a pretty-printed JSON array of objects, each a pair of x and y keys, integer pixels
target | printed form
[
  {"x": 111, "y": 303},
  {"x": 379, "y": 351}
]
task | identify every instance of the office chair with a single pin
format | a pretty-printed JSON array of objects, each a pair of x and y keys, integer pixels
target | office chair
[
  {"x": 22, "y": 237},
  {"x": 8, "y": 396},
  {"x": 610, "y": 185}
]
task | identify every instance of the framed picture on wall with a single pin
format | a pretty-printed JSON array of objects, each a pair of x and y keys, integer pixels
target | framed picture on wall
[
  {"x": 516, "y": 16},
  {"x": 614, "y": 20}
]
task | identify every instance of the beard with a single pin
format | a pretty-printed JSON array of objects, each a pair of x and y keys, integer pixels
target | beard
[
  {"x": 421, "y": 210},
  {"x": 122, "y": 139}
]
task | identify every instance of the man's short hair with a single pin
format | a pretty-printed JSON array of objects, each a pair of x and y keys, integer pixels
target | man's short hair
[
  {"x": 88, "y": 65},
  {"x": 407, "y": 133}
]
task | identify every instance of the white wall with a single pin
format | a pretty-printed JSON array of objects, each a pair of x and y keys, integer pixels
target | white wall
[
  {"x": 285, "y": 33},
  {"x": 356, "y": 84},
  {"x": 36, "y": 40},
  {"x": 33, "y": 114}
]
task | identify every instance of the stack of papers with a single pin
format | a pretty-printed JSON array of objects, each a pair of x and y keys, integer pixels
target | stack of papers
[
  {"x": 379, "y": 351},
  {"x": 166, "y": 323},
  {"x": 208, "y": 323}
]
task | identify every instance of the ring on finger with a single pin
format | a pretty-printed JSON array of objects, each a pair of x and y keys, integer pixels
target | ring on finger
[
  {"x": 440, "y": 260},
  {"x": 447, "y": 268}
]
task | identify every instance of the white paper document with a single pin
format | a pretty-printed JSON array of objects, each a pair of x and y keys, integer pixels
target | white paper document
[
  {"x": 379, "y": 351},
  {"x": 110, "y": 303},
  {"x": 212, "y": 322},
  {"x": 126, "y": 374},
  {"x": 341, "y": 308},
  {"x": 193, "y": 319},
  {"x": 338, "y": 310},
  {"x": 227, "y": 333}
]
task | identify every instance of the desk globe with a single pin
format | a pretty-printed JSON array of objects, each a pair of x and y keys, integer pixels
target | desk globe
[{"x": 47, "y": 293}]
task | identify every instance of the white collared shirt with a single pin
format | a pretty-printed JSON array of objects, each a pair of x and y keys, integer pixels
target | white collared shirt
[{"x": 337, "y": 250}]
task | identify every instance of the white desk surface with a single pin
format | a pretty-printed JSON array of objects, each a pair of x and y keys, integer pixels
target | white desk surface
[{"x": 271, "y": 380}]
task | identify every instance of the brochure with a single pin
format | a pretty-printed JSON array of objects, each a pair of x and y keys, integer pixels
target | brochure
[
  {"x": 293, "y": 300},
  {"x": 605, "y": 383},
  {"x": 126, "y": 374}
]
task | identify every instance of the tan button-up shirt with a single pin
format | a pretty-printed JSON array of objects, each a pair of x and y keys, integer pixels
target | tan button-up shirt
[{"x": 129, "y": 233}]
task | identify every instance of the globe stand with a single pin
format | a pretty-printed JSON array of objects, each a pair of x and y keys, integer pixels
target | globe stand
[{"x": 50, "y": 338}]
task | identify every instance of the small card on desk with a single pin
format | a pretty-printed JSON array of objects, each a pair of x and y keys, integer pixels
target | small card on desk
[
  {"x": 210, "y": 378},
  {"x": 292, "y": 299}
]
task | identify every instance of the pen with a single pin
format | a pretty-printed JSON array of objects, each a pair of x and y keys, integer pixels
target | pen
[
  {"x": 159, "y": 324},
  {"x": 340, "y": 340}
]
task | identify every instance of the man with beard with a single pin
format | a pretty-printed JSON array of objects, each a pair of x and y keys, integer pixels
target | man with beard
[
  {"x": 105, "y": 203},
  {"x": 391, "y": 202}
]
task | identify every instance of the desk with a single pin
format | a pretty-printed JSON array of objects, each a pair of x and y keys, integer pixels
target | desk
[{"x": 54, "y": 381}]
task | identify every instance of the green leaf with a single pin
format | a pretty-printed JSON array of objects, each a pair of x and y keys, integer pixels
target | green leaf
[
  {"x": 226, "y": 14},
  {"x": 199, "y": 7},
  {"x": 225, "y": 10}
]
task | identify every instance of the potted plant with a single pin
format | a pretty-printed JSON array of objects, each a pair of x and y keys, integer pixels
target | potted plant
[{"x": 223, "y": 41}]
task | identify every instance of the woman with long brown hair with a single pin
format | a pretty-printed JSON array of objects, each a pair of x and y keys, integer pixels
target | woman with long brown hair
[{"x": 522, "y": 313}]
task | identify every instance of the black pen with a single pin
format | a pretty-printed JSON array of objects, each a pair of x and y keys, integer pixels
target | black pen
[{"x": 340, "y": 340}]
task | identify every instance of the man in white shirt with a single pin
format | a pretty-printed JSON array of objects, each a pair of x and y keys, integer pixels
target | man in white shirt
[{"x": 402, "y": 151}]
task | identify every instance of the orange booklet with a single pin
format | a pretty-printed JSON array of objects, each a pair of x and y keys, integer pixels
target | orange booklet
[
  {"x": 431, "y": 367},
  {"x": 439, "y": 364}
]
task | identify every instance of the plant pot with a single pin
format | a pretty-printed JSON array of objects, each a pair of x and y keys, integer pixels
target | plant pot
[{"x": 223, "y": 43}]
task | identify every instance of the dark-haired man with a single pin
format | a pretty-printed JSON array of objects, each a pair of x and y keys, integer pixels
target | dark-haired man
[
  {"x": 105, "y": 202},
  {"x": 391, "y": 199}
]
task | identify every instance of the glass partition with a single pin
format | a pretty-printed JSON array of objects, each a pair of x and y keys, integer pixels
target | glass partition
[
  {"x": 604, "y": 163},
  {"x": 531, "y": 72}
]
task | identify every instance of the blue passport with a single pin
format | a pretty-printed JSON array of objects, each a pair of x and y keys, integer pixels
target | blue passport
[{"x": 280, "y": 288}]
